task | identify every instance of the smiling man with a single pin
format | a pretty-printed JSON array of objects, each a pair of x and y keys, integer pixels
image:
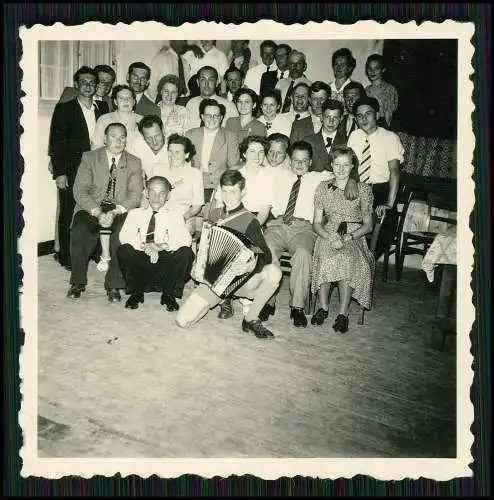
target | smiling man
[{"x": 138, "y": 78}]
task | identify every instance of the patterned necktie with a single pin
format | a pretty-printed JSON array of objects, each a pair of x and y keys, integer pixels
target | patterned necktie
[
  {"x": 110, "y": 189},
  {"x": 288, "y": 99},
  {"x": 182, "y": 86},
  {"x": 329, "y": 141},
  {"x": 365, "y": 164},
  {"x": 292, "y": 201},
  {"x": 151, "y": 226}
]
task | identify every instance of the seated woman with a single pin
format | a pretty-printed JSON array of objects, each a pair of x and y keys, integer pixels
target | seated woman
[
  {"x": 124, "y": 98},
  {"x": 174, "y": 116},
  {"x": 342, "y": 255},
  {"x": 244, "y": 125}
]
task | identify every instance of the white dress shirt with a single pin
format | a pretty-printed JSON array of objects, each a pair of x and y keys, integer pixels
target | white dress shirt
[
  {"x": 89, "y": 116},
  {"x": 254, "y": 75},
  {"x": 170, "y": 228},
  {"x": 384, "y": 147},
  {"x": 193, "y": 109},
  {"x": 207, "y": 146},
  {"x": 215, "y": 58},
  {"x": 304, "y": 208},
  {"x": 152, "y": 163},
  {"x": 280, "y": 124},
  {"x": 284, "y": 85},
  {"x": 325, "y": 137}
]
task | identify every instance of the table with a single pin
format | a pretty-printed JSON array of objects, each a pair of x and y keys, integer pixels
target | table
[{"x": 443, "y": 252}]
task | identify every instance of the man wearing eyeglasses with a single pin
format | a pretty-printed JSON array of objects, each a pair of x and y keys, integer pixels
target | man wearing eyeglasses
[
  {"x": 207, "y": 79},
  {"x": 217, "y": 148},
  {"x": 291, "y": 230}
]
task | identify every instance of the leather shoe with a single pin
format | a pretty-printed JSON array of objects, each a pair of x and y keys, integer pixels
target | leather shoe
[
  {"x": 257, "y": 328},
  {"x": 341, "y": 324},
  {"x": 319, "y": 317},
  {"x": 75, "y": 291},
  {"x": 299, "y": 318},
  {"x": 226, "y": 309},
  {"x": 113, "y": 295},
  {"x": 134, "y": 300},
  {"x": 170, "y": 302},
  {"x": 267, "y": 311}
]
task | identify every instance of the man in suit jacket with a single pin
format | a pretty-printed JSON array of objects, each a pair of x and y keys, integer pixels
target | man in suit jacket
[
  {"x": 138, "y": 78},
  {"x": 102, "y": 100},
  {"x": 95, "y": 176},
  {"x": 217, "y": 148},
  {"x": 329, "y": 136},
  {"x": 297, "y": 65},
  {"x": 72, "y": 125}
]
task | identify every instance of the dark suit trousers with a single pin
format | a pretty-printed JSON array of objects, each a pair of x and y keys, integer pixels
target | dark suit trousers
[
  {"x": 84, "y": 237},
  {"x": 67, "y": 204},
  {"x": 380, "y": 192},
  {"x": 167, "y": 276}
]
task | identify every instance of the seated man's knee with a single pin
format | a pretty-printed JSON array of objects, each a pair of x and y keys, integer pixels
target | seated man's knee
[
  {"x": 273, "y": 274},
  {"x": 302, "y": 254}
]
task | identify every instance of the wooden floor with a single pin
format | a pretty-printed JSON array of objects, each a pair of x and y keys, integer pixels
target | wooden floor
[{"x": 121, "y": 383}]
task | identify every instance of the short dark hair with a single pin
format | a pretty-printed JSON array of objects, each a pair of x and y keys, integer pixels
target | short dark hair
[
  {"x": 159, "y": 178},
  {"x": 302, "y": 84},
  {"x": 116, "y": 124},
  {"x": 251, "y": 93},
  {"x": 120, "y": 87},
  {"x": 173, "y": 79},
  {"x": 366, "y": 100},
  {"x": 232, "y": 178},
  {"x": 344, "y": 52},
  {"x": 104, "y": 68},
  {"x": 247, "y": 141},
  {"x": 278, "y": 137},
  {"x": 284, "y": 46},
  {"x": 211, "y": 102},
  {"x": 234, "y": 69},
  {"x": 188, "y": 145},
  {"x": 275, "y": 94},
  {"x": 85, "y": 70},
  {"x": 375, "y": 57},
  {"x": 302, "y": 146},
  {"x": 148, "y": 121},
  {"x": 139, "y": 65},
  {"x": 268, "y": 43},
  {"x": 353, "y": 85},
  {"x": 318, "y": 86},
  {"x": 333, "y": 104},
  {"x": 207, "y": 68}
]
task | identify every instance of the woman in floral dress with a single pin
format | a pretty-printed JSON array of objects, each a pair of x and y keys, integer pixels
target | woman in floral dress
[{"x": 341, "y": 253}]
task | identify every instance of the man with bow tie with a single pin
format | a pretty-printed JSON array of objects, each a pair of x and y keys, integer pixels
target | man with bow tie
[
  {"x": 105, "y": 172},
  {"x": 329, "y": 136}
]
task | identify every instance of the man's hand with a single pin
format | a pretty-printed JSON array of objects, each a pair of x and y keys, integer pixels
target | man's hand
[
  {"x": 151, "y": 250},
  {"x": 381, "y": 210},
  {"x": 351, "y": 189},
  {"x": 337, "y": 243},
  {"x": 62, "y": 182},
  {"x": 197, "y": 51},
  {"x": 106, "y": 220}
]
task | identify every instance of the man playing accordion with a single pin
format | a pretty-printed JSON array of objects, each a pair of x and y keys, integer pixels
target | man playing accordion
[{"x": 260, "y": 278}]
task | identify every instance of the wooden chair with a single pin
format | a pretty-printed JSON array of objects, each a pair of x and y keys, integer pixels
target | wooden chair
[
  {"x": 373, "y": 243},
  {"x": 418, "y": 241}
]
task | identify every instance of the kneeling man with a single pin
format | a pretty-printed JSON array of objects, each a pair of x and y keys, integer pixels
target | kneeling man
[
  {"x": 264, "y": 276},
  {"x": 154, "y": 251}
]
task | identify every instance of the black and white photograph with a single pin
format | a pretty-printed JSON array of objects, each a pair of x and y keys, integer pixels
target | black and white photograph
[{"x": 247, "y": 255}]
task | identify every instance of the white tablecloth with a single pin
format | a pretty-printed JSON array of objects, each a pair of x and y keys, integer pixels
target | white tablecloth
[{"x": 442, "y": 251}]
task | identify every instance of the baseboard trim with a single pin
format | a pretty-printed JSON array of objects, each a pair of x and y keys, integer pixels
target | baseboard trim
[{"x": 46, "y": 248}]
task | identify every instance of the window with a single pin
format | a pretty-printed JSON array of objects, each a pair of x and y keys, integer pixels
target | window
[{"x": 59, "y": 60}]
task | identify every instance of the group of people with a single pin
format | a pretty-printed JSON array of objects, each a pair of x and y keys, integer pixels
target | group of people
[{"x": 295, "y": 166}]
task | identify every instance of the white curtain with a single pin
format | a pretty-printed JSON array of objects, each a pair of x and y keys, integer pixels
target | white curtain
[
  {"x": 56, "y": 66},
  {"x": 92, "y": 53}
]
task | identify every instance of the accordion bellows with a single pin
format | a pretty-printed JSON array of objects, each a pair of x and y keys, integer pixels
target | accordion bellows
[{"x": 219, "y": 249}]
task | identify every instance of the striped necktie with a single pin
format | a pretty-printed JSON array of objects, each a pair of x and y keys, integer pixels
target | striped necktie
[
  {"x": 292, "y": 201},
  {"x": 110, "y": 188},
  {"x": 365, "y": 164},
  {"x": 151, "y": 226},
  {"x": 288, "y": 99}
]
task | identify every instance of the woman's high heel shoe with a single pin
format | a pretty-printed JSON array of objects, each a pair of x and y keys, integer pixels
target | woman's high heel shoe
[
  {"x": 341, "y": 323},
  {"x": 319, "y": 317}
]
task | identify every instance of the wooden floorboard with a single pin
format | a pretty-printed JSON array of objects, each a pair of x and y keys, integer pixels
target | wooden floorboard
[{"x": 133, "y": 383}]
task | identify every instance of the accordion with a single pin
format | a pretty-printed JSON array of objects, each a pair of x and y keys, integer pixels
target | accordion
[{"x": 219, "y": 249}]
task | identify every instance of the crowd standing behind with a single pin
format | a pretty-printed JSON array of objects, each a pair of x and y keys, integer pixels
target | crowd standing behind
[{"x": 199, "y": 135}]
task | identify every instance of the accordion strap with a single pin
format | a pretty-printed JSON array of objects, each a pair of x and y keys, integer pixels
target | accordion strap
[{"x": 221, "y": 222}]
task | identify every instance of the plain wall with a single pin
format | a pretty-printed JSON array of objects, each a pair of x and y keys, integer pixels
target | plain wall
[{"x": 318, "y": 53}]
